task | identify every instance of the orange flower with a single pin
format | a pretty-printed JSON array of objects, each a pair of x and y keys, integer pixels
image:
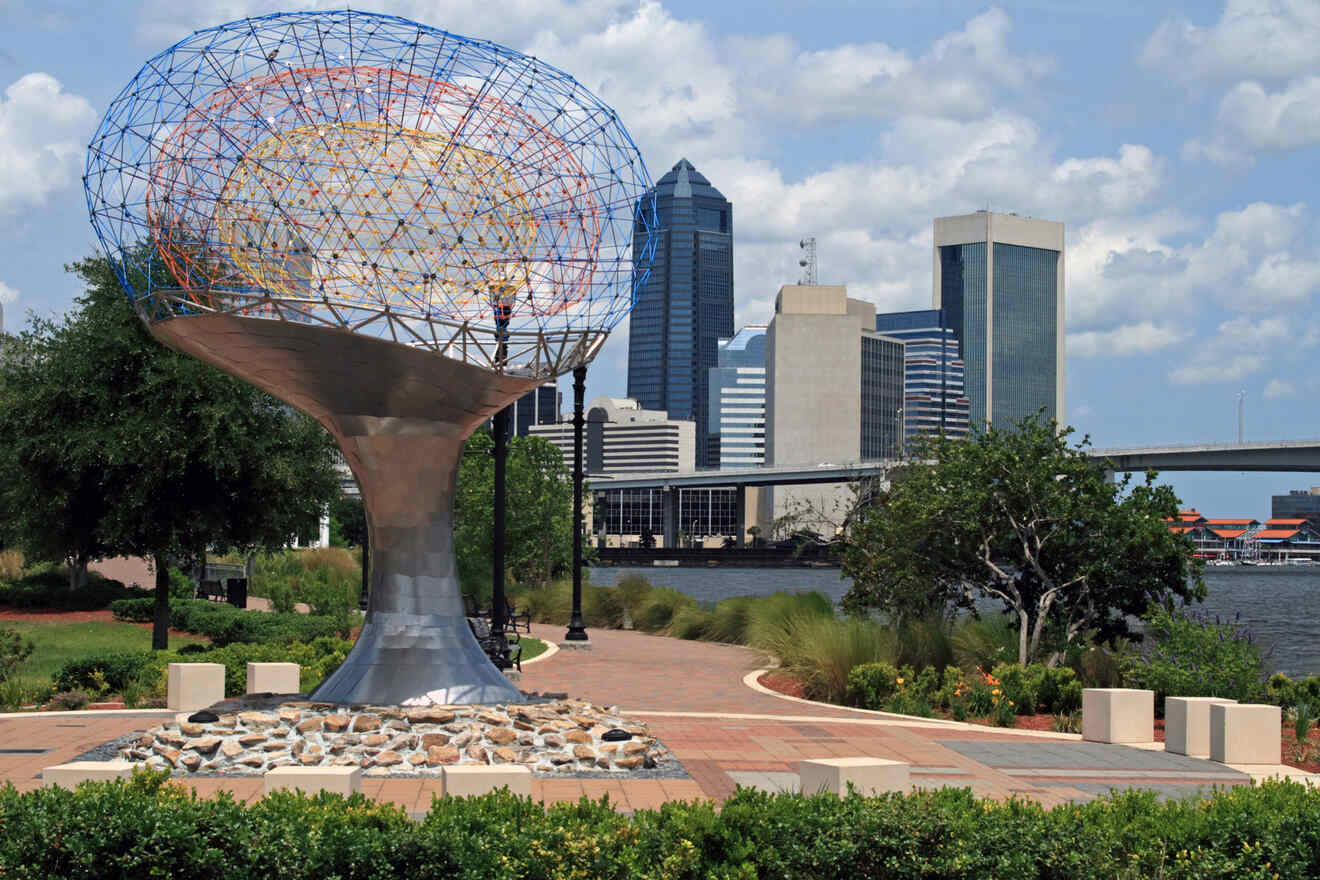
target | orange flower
[
  {"x": 995, "y": 692},
  {"x": 899, "y": 680}
]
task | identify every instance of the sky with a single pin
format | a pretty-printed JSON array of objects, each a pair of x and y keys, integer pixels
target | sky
[{"x": 1179, "y": 143}]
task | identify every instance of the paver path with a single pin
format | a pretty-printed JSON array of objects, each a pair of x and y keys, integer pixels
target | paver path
[{"x": 725, "y": 734}]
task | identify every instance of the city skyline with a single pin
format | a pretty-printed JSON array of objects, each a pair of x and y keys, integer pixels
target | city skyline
[{"x": 1174, "y": 140}]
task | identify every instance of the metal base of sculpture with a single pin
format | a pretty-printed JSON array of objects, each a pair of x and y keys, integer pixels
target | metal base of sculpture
[{"x": 400, "y": 415}]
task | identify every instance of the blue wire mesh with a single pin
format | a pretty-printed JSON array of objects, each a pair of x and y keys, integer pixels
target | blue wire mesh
[{"x": 366, "y": 172}]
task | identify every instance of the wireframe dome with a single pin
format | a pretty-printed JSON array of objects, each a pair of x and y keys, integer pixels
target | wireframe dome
[{"x": 365, "y": 172}]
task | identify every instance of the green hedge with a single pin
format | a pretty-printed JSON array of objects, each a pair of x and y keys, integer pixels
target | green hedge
[
  {"x": 224, "y": 624},
  {"x": 148, "y": 828},
  {"x": 111, "y": 673},
  {"x": 48, "y": 587}
]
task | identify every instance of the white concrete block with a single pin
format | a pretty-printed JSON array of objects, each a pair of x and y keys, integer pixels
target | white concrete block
[
  {"x": 465, "y": 780},
  {"x": 1245, "y": 734},
  {"x": 1187, "y": 724},
  {"x": 273, "y": 678},
  {"x": 194, "y": 686},
  {"x": 870, "y": 776},
  {"x": 69, "y": 775},
  {"x": 1118, "y": 715},
  {"x": 310, "y": 780}
]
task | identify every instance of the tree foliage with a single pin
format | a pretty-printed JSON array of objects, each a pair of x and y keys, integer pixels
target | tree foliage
[
  {"x": 111, "y": 443},
  {"x": 538, "y": 519},
  {"x": 1022, "y": 517}
]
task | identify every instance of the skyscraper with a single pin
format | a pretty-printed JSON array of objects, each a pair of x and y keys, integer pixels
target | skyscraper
[
  {"x": 686, "y": 305},
  {"x": 737, "y": 399},
  {"x": 833, "y": 394},
  {"x": 999, "y": 279},
  {"x": 934, "y": 400}
]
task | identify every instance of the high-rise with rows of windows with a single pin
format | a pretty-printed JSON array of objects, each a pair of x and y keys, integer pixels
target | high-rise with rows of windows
[
  {"x": 934, "y": 402},
  {"x": 737, "y": 399},
  {"x": 686, "y": 305},
  {"x": 999, "y": 280}
]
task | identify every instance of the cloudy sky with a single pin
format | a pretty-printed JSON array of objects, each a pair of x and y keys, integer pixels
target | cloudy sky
[{"x": 1178, "y": 142}]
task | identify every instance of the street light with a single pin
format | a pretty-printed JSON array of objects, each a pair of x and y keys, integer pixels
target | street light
[{"x": 898, "y": 430}]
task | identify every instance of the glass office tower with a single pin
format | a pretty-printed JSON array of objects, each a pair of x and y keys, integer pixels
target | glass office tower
[
  {"x": 1000, "y": 280},
  {"x": 933, "y": 377},
  {"x": 686, "y": 306}
]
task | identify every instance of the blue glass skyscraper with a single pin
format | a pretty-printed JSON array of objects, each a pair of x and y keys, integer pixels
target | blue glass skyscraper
[
  {"x": 999, "y": 279},
  {"x": 686, "y": 306},
  {"x": 934, "y": 398}
]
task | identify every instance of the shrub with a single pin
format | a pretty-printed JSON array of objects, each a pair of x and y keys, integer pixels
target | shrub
[
  {"x": 1186, "y": 654},
  {"x": 822, "y": 651},
  {"x": 656, "y": 612},
  {"x": 633, "y": 590},
  {"x": 14, "y": 649},
  {"x": 690, "y": 622},
  {"x": 1289, "y": 693},
  {"x": 47, "y": 586},
  {"x": 984, "y": 642},
  {"x": 98, "y": 672},
  {"x": 871, "y": 685},
  {"x": 224, "y": 624},
  {"x": 148, "y": 826},
  {"x": 70, "y": 701}
]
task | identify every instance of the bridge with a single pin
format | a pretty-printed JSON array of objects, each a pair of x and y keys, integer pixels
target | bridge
[{"x": 1295, "y": 456}]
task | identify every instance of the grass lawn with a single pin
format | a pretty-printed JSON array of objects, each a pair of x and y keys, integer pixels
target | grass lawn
[
  {"x": 55, "y": 644},
  {"x": 531, "y": 647}
]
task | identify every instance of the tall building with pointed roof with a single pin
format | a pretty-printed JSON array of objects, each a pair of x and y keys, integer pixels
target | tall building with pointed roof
[{"x": 686, "y": 306}]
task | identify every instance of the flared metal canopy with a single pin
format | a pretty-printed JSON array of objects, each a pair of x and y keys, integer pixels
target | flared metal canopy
[{"x": 369, "y": 173}]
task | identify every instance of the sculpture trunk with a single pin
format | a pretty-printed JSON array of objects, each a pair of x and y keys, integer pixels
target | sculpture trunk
[{"x": 400, "y": 415}]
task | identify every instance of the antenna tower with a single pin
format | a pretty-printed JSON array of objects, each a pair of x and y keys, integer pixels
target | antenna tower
[{"x": 808, "y": 261}]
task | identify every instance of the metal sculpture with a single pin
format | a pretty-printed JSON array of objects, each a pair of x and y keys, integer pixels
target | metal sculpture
[{"x": 394, "y": 229}]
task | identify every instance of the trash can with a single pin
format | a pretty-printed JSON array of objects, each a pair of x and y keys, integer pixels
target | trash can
[{"x": 236, "y": 592}]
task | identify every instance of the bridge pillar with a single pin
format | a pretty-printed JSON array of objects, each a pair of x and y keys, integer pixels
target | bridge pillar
[
  {"x": 671, "y": 517},
  {"x": 740, "y": 515}
]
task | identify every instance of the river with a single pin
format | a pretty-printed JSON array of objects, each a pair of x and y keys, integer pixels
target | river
[{"x": 1281, "y": 604}]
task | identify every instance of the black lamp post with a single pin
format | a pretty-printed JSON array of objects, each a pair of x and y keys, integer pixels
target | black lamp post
[
  {"x": 501, "y": 426},
  {"x": 576, "y": 631}
]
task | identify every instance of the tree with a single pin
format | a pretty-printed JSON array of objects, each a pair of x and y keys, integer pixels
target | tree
[
  {"x": 111, "y": 443},
  {"x": 539, "y": 520},
  {"x": 1021, "y": 517}
]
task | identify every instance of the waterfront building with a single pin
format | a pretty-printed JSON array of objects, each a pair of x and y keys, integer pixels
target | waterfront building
[
  {"x": 737, "y": 400},
  {"x": 1298, "y": 504},
  {"x": 1000, "y": 280},
  {"x": 833, "y": 394},
  {"x": 620, "y": 438},
  {"x": 934, "y": 401},
  {"x": 686, "y": 305}
]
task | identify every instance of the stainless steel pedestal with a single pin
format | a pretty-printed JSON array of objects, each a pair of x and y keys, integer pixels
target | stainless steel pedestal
[{"x": 400, "y": 415}]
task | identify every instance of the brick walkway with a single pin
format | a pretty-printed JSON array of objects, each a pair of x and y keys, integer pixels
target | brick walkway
[{"x": 724, "y": 733}]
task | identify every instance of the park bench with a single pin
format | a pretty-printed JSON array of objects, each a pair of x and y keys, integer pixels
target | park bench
[{"x": 506, "y": 647}]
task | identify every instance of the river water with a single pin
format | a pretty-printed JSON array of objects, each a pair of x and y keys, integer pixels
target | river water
[{"x": 1281, "y": 604}]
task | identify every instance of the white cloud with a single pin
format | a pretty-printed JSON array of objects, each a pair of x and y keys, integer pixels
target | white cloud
[
  {"x": 1255, "y": 259},
  {"x": 1252, "y": 120},
  {"x": 1141, "y": 338},
  {"x": 1279, "y": 389},
  {"x": 43, "y": 135},
  {"x": 1242, "y": 347},
  {"x": 7, "y": 293},
  {"x": 1261, "y": 39}
]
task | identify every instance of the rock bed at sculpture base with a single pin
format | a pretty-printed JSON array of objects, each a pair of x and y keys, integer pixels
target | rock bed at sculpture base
[{"x": 562, "y": 737}]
